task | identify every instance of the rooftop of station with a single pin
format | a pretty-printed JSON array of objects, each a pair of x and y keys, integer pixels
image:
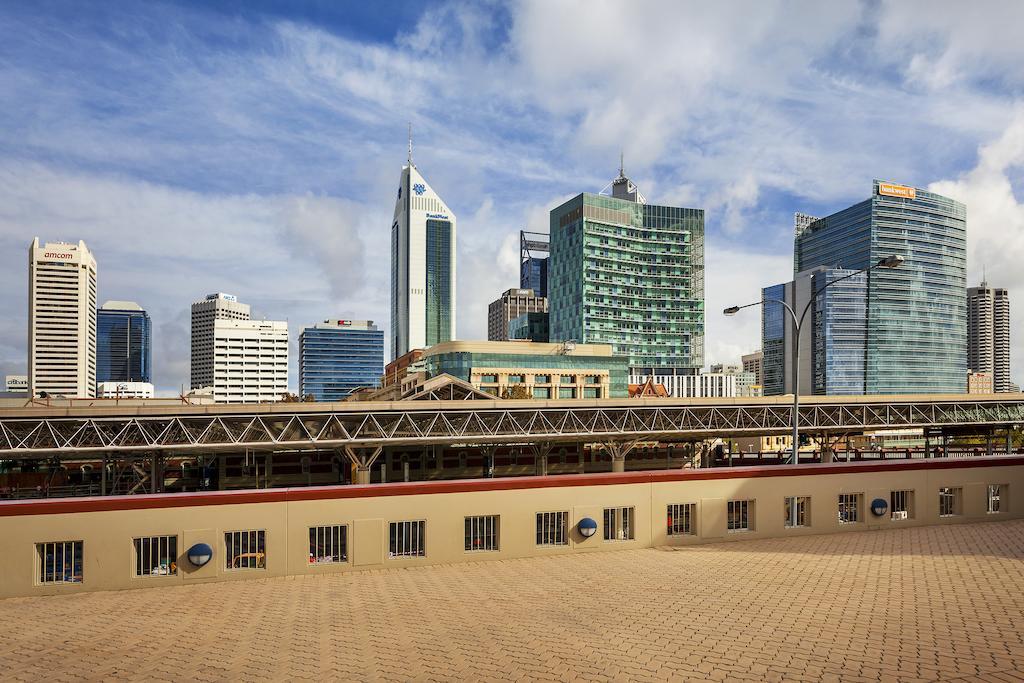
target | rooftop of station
[{"x": 921, "y": 603}]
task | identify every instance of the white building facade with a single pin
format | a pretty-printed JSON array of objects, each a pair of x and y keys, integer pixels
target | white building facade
[
  {"x": 422, "y": 266},
  {"x": 214, "y": 307},
  {"x": 61, "y": 320},
  {"x": 242, "y": 360},
  {"x": 124, "y": 390},
  {"x": 16, "y": 384},
  {"x": 705, "y": 385}
]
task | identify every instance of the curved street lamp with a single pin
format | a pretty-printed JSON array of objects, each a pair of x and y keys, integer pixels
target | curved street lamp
[{"x": 893, "y": 261}]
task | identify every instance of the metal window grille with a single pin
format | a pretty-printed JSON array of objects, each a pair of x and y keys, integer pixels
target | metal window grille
[
  {"x": 245, "y": 549},
  {"x": 949, "y": 501},
  {"x": 618, "y": 524},
  {"x": 681, "y": 519},
  {"x": 328, "y": 544},
  {"x": 552, "y": 528},
  {"x": 482, "y": 533},
  {"x": 995, "y": 497},
  {"x": 849, "y": 507},
  {"x": 798, "y": 511},
  {"x": 156, "y": 556},
  {"x": 407, "y": 539},
  {"x": 739, "y": 515},
  {"x": 60, "y": 561},
  {"x": 900, "y": 504}
]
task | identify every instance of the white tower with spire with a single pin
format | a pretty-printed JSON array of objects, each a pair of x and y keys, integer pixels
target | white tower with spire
[{"x": 422, "y": 265}]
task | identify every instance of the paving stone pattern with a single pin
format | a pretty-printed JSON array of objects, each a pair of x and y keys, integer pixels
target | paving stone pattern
[{"x": 933, "y": 603}]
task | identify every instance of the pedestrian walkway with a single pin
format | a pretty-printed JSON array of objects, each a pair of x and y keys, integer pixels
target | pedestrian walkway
[{"x": 929, "y": 603}]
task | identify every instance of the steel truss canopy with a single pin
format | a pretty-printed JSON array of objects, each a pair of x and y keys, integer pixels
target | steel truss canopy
[{"x": 45, "y": 432}]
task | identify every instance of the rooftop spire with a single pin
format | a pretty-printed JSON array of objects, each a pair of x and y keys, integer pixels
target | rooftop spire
[
  {"x": 410, "y": 143},
  {"x": 622, "y": 165}
]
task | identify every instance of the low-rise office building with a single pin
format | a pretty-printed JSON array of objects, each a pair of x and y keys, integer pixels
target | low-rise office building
[
  {"x": 337, "y": 357},
  {"x": 704, "y": 385},
  {"x": 16, "y": 384},
  {"x": 545, "y": 371},
  {"x": 980, "y": 383},
  {"x": 509, "y": 306},
  {"x": 124, "y": 390}
]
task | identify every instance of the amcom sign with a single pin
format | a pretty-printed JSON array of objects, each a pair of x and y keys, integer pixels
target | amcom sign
[{"x": 62, "y": 256}]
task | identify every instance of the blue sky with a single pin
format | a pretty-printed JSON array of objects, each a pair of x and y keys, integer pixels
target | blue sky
[{"x": 254, "y": 147}]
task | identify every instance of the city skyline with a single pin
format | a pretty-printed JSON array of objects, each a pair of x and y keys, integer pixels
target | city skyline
[{"x": 242, "y": 200}]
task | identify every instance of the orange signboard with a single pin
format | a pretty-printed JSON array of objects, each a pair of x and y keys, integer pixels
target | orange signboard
[{"x": 896, "y": 190}]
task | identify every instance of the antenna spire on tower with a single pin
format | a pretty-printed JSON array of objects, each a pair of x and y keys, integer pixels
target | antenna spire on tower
[
  {"x": 622, "y": 165},
  {"x": 410, "y": 143}
]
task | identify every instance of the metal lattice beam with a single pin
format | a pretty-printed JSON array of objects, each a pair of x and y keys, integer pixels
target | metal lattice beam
[{"x": 195, "y": 429}]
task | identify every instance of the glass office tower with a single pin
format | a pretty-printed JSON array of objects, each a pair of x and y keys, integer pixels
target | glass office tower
[
  {"x": 839, "y": 349},
  {"x": 774, "y": 324},
  {"x": 916, "y": 322},
  {"x": 338, "y": 356},
  {"x": 124, "y": 350},
  {"x": 630, "y": 274}
]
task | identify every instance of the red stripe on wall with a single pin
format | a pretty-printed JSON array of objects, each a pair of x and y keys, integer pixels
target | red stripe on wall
[{"x": 15, "y": 508}]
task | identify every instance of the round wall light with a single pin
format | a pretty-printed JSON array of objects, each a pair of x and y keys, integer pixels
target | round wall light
[
  {"x": 879, "y": 506},
  {"x": 587, "y": 527},
  {"x": 199, "y": 554}
]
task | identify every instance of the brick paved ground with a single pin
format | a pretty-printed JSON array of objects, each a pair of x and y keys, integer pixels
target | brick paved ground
[{"x": 938, "y": 603}]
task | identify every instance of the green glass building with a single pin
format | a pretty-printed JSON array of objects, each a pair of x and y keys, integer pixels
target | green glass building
[
  {"x": 629, "y": 274},
  {"x": 916, "y": 332}
]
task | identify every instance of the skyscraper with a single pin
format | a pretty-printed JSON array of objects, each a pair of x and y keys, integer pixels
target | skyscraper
[
  {"x": 243, "y": 360},
  {"x": 509, "y": 306},
  {"x": 988, "y": 334},
  {"x": 422, "y": 265},
  {"x": 214, "y": 307},
  {"x": 534, "y": 248},
  {"x": 61, "y": 320},
  {"x": 124, "y": 349},
  {"x": 630, "y": 274},
  {"x": 916, "y": 328},
  {"x": 338, "y": 356}
]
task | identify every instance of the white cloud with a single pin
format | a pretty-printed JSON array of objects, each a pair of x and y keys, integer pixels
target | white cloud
[{"x": 995, "y": 222}]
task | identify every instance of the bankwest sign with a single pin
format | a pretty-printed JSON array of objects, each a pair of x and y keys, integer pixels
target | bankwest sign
[{"x": 896, "y": 190}]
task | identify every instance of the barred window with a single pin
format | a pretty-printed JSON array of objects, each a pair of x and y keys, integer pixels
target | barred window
[
  {"x": 552, "y": 528},
  {"x": 681, "y": 518},
  {"x": 328, "y": 544},
  {"x": 407, "y": 539},
  {"x": 949, "y": 501},
  {"x": 849, "y": 507},
  {"x": 901, "y": 503},
  {"x": 482, "y": 533},
  {"x": 618, "y": 524},
  {"x": 996, "y": 498},
  {"x": 156, "y": 556},
  {"x": 740, "y": 515},
  {"x": 245, "y": 549},
  {"x": 60, "y": 561},
  {"x": 798, "y": 511}
]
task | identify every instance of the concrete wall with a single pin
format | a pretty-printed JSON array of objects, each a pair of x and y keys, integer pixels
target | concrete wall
[{"x": 107, "y": 525}]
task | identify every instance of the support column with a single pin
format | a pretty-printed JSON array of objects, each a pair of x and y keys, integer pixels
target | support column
[
  {"x": 1009, "y": 439},
  {"x": 988, "y": 442},
  {"x": 618, "y": 452},
  {"x": 488, "y": 466},
  {"x": 103, "y": 476},
  {"x": 945, "y": 445},
  {"x": 363, "y": 459},
  {"x": 540, "y": 457},
  {"x": 927, "y": 444}
]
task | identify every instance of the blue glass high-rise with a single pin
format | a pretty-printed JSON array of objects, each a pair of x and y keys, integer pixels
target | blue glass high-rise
[
  {"x": 124, "y": 348},
  {"x": 339, "y": 356},
  {"x": 916, "y": 328}
]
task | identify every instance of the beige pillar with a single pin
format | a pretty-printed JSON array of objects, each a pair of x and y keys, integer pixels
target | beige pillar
[
  {"x": 362, "y": 475},
  {"x": 618, "y": 464}
]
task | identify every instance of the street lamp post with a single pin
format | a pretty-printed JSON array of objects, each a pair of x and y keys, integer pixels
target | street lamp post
[{"x": 893, "y": 261}]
